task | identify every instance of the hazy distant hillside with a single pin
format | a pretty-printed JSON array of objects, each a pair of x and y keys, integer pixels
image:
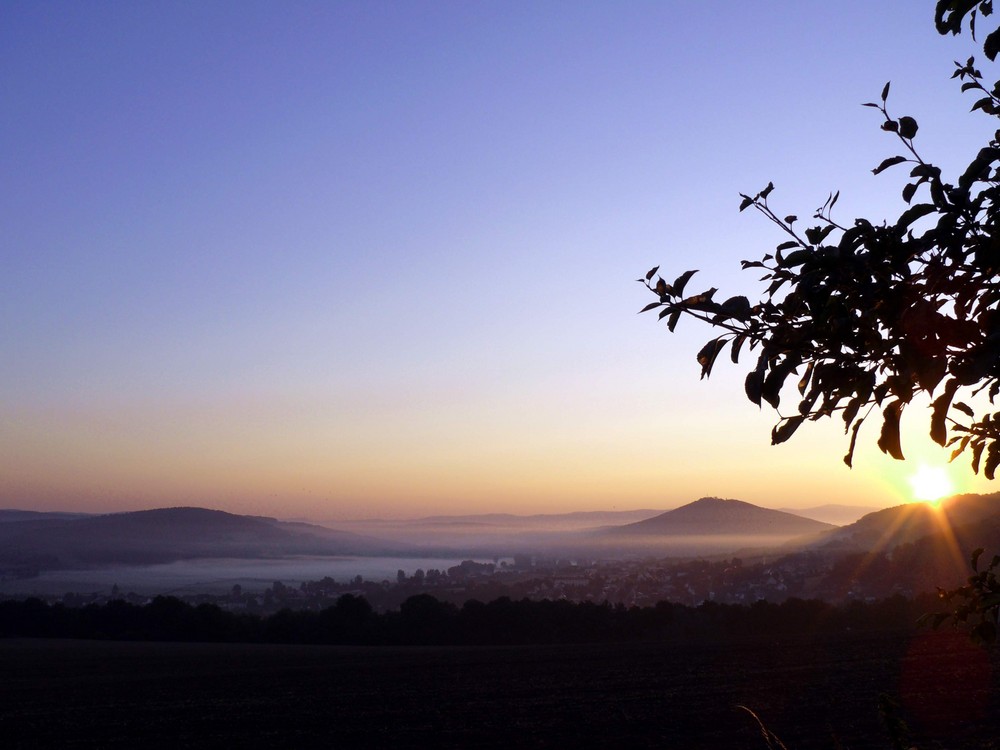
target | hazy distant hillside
[
  {"x": 491, "y": 534},
  {"x": 577, "y": 519},
  {"x": 838, "y": 515},
  {"x": 712, "y": 515},
  {"x": 16, "y": 516},
  {"x": 168, "y": 534}
]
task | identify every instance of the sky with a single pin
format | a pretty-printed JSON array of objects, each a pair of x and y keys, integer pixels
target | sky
[{"x": 336, "y": 260}]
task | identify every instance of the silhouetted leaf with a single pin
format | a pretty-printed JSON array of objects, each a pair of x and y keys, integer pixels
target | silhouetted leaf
[
  {"x": 907, "y": 127},
  {"x": 737, "y": 307},
  {"x": 890, "y": 125},
  {"x": 984, "y": 104},
  {"x": 682, "y": 281},
  {"x": 939, "y": 412},
  {"x": 734, "y": 352},
  {"x": 886, "y": 163},
  {"x": 851, "y": 411},
  {"x": 885, "y": 91},
  {"x": 754, "y": 382},
  {"x": 992, "y": 460},
  {"x": 746, "y": 202},
  {"x": 849, "y": 458},
  {"x": 708, "y": 355},
  {"x": 977, "y": 452},
  {"x": 650, "y": 306},
  {"x": 964, "y": 408},
  {"x": 992, "y": 45},
  {"x": 785, "y": 429},
  {"x": 888, "y": 441},
  {"x": 771, "y": 389},
  {"x": 913, "y": 213},
  {"x": 804, "y": 380},
  {"x": 652, "y": 272}
]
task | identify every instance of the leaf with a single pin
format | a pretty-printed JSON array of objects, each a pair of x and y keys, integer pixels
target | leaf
[
  {"x": 977, "y": 452},
  {"x": 913, "y": 213},
  {"x": 672, "y": 320},
  {"x": 891, "y": 126},
  {"x": 661, "y": 287},
  {"x": 992, "y": 45},
  {"x": 885, "y": 91},
  {"x": 766, "y": 191},
  {"x": 650, "y": 306},
  {"x": 984, "y": 104},
  {"x": 787, "y": 245},
  {"x": 964, "y": 408},
  {"x": 891, "y": 161},
  {"x": 849, "y": 458},
  {"x": 791, "y": 219},
  {"x": 851, "y": 411},
  {"x": 771, "y": 389},
  {"x": 908, "y": 190},
  {"x": 939, "y": 432},
  {"x": 737, "y": 307},
  {"x": 651, "y": 272},
  {"x": 960, "y": 449},
  {"x": 681, "y": 281},
  {"x": 734, "y": 352},
  {"x": 992, "y": 460},
  {"x": 804, "y": 380},
  {"x": 785, "y": 429},
  {"x": 708, "y": 355},
  {"x": 746, "y": 202},
  {"x": 907, "y": 127},
  {"x": 701, "y": 299},
  {"x": 754, "y": 382},
  {"x": 888, "y": 441}
]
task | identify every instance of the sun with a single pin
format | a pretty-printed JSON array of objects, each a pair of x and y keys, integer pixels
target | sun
[{"x": 931, "y": 483}]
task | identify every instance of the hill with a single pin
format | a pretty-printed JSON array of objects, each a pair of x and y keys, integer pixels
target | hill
[
  {"x": 166, "y": 535},
  {"x": 886, "y": 529},
  {"x": 713, "y": 515},
  {"x": 709, "y": 526}
]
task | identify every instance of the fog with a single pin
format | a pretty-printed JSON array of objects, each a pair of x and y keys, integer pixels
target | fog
[{"x": 219, "y": 575}]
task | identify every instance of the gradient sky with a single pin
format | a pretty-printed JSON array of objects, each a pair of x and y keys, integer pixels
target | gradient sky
[{"x": 373, "y": 259}]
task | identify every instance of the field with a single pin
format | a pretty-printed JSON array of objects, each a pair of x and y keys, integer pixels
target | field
[{"x": 813, "y": 693}]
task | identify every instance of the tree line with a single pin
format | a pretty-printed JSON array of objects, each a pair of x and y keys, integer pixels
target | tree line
[{"x": 424, "y": 620}]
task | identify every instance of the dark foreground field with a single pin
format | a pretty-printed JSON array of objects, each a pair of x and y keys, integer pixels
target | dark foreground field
[{"x": 811, "y": 693}]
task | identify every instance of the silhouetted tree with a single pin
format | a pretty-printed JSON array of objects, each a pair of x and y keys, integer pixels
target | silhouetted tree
[{"x": 868, "y": 315}]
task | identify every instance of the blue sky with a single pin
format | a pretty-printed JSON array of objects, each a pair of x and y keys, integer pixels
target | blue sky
[{"x": 347, "y": 259}]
